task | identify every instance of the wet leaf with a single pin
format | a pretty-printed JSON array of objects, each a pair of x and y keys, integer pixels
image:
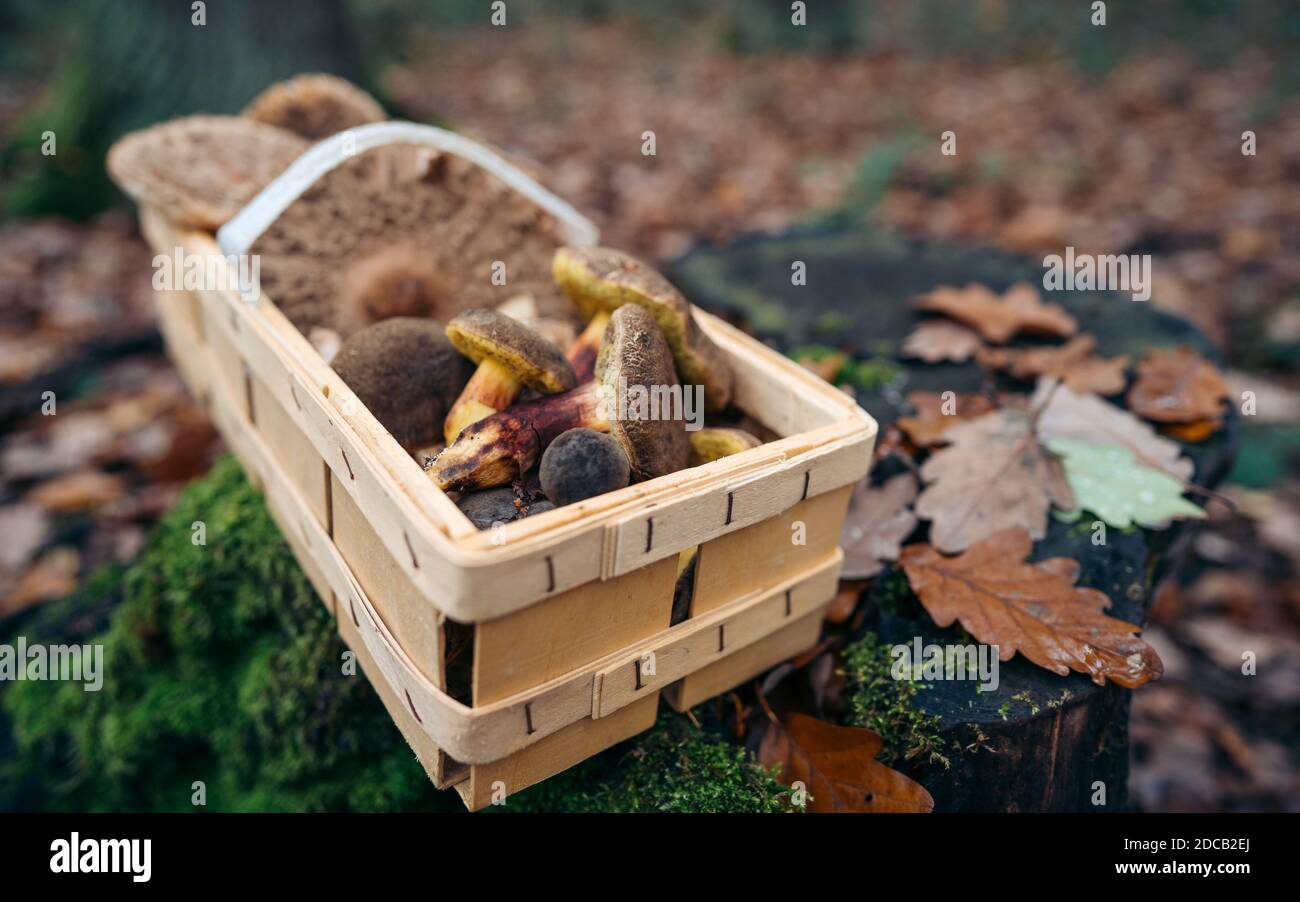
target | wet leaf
[
  {"x": 933, "y": 417},
  {"x": 838, "y": 768},
  {"x": 1177, "y": 386},
  {"x": 995, "y": 475},
  {"x": 1075, "y": 363},
  {"x": 938, "y": 341},
  {"x": 1064, "y": 413},
  {"x": 878, "y": 520},
  {"x": 1107, "y": 481},
  {"x": 1034, "y": 609},
  {"x": 999, "y": 318}
]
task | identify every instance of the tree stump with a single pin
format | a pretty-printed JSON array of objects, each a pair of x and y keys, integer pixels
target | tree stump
[{"x": 1039, "y": 742}]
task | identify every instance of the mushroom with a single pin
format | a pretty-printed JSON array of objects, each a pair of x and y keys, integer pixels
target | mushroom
[
  {"x": 201, "y": 170},
  {"x": 539, "y": 507},
  {"x": 498, "y": 448},
  {"x": 509, "y": 356},
  {"x": 490, "y": 506},
  {"x": 583, "y": 463},
  {"x": 407, "y": 373},
  {"x": 401, "y": 230},
  {"x": 600, "y": 280},
  {"x": 708, "y": 445},
  {"x": 315, "y": 106}
]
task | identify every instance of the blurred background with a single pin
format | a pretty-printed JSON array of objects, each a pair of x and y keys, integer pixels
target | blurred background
[{"x": 1122, "y": 138}]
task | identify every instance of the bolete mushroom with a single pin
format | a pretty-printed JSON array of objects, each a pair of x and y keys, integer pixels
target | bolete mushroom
[
  {"x": 490, "y": 506},
  {"x": 201, "y": 170},
  {"x": 407, "y": 373},
  {"x": 600, "y": 280},
  {"x": 583, "y": 463},
  {"x": 633, "y": 353},
  {"x": 315, "y": 106},
  {"x": 401, "y": 230},
  {"x": 708, "y": 445},
  {"x": 509, "y": 356}
]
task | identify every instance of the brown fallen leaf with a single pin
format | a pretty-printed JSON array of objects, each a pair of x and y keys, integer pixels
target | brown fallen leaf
[
  {"x": 1035, "y": 609},
  {"x": 1075, "y": 363},
  {"x": 1191, "y": 433},
  {"x": 995, "y": 475},
  {"x": 825, "y": 368},
  {"x": 935, "y": 414},
  {"x": 845, "y": 601},
  {"x": 937, "y": 341},
  {"x": 1177, "y": 386},
  {"x": 878, "y": 520},
  {"x": 838, "y": 768},
  {"x": 79, "y": 491},
  {"x": 53, "y": 576},
  {"x": 996, "y": 318},
  {"x": 1063, "y": 413}
]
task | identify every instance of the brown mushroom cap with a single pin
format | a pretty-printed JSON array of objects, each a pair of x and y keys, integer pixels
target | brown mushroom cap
[
  {"x": 600, "y": 279},
  {"x": 315, "y": 106},
  {"x": 407, "y": 373},
  {"x": 407, "y": 216},
  {"x": 634, "y": 352},
  {"x": 201, "y": 170},
  {"x": 481, "y": 334}
]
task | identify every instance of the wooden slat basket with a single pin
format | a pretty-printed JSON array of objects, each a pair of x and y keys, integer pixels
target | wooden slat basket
[{"x": 565, "y": 616}]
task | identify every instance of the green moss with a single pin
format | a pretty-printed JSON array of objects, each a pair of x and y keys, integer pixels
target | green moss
[
  {"x": 221, "y": 666},
  {"x": 881, "y": 703},
  {"x": 676, "y": 767}
]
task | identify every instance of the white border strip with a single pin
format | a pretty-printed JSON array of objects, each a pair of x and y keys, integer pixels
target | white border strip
[{"x": 238, "y": 235}]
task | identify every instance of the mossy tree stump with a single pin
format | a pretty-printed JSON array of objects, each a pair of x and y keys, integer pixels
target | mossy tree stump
[{"x": 1039, "y": 741}]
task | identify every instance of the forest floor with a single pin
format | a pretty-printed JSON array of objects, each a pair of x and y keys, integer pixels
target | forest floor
[{"x": 1144, "y": 160}]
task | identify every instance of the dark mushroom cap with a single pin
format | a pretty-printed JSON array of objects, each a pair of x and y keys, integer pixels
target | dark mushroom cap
[
  {"x": 634, "y": 352},
  {"x": 407, "y": 373},
  {"x": 315, "y": 106},
  {"x": 489, "y": 506},
  {"x": 201, "y": 170},
  {"x": 480, "y": 334},
  {"x": 539, "y": 507},
  {"x": 603, "y": 279},
  {"x": 583, "y": 463}
]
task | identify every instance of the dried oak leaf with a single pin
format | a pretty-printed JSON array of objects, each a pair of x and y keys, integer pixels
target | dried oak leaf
[
  {"x": 838, "y": 767},
  {"x": 935, "y": 414},
  {"x": 995, "y": 475},
  {"x": 1177, "y": 386},
  {"x": 937, "y": 341},
  {"x": 1064, "y": 413},
  {"x": 878, "y": 521},
  {"x": 1033, "y": 608},
  {"x": 996, "y": 318},
  {"x": 1075, "y": 363}
]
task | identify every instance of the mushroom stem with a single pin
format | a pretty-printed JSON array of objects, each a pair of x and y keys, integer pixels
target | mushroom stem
[
  {"x": 499, "y": 448},
  {"x": 491, "y": 388},
  {"x": 582, "y": 353}
]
